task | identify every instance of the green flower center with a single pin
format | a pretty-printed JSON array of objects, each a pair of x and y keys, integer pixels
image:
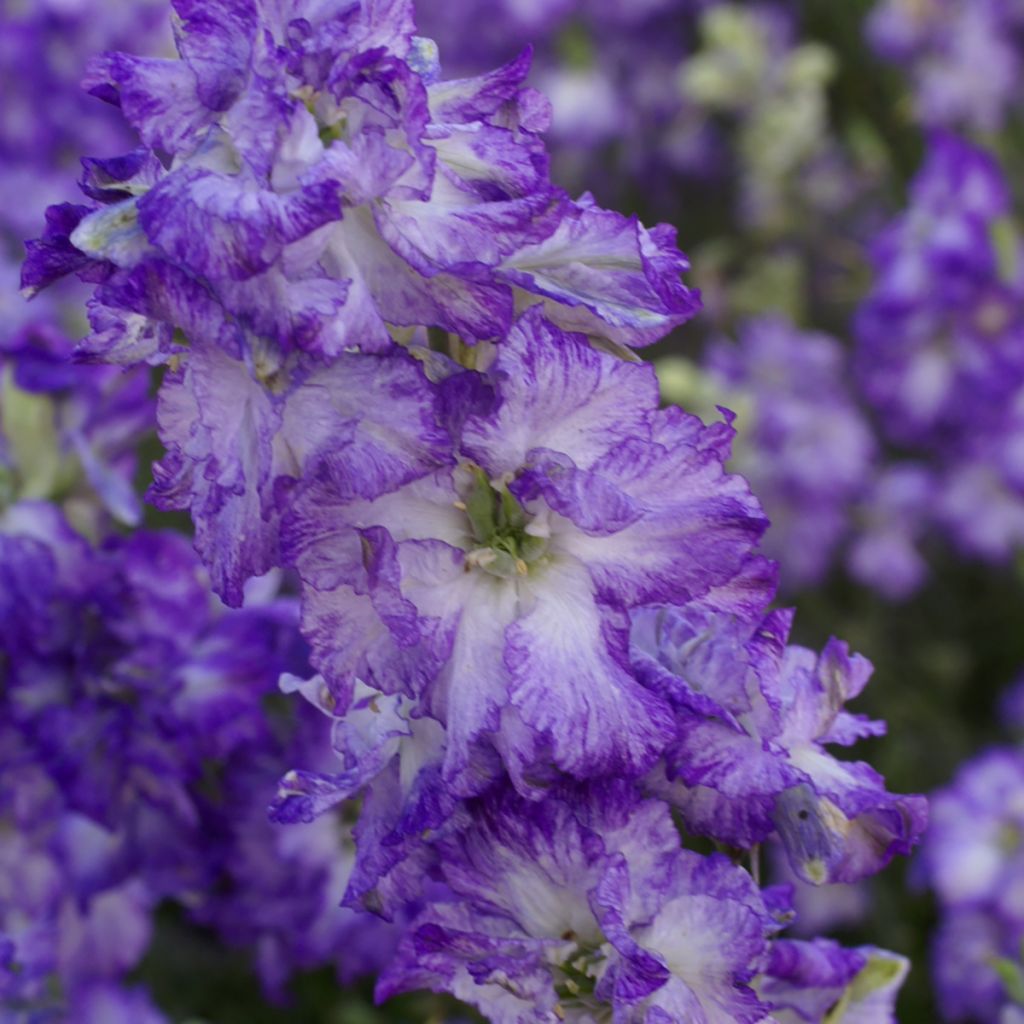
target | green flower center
[
  {"x": 500, "y": 528},
  {"x": 575, "y": 979},
  {"x": 1009, "y": 838}
]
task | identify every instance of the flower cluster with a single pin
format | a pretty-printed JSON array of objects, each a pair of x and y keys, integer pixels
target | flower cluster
[
  {"x": 863, "y": 461},
  {"x": 583, "y": 903},
  {"x": 943, "y": 43},
  {"x": 398, "y": 362},
  {"x": 804, "y": 445},
  {"x": 134, "y": 738},
  {"x": 939, "y": 347},
  {"x": 810, "y": 451},
  {"x": 974, "y": 861},
  {"x": 327, "y": 195}
]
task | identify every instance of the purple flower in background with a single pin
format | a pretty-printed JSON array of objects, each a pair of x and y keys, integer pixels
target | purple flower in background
[
  {"x": 894, "y": 517},
  {"x": 72, "y": 825},
  {"x": 142, "y": 677},
  {"x": 966, "y": 947},
  {"x": 63, "y": 426},
  {"x": 47, "y": 120},
  {"x": 936, "y": 333},
  {"x": 749, "y": 759},
  {"x": 982, "y": 501},
  {"x": 974, "y": 855},
  {"x": 279, "y": 889},
  {"x": 50, "y": 43},
  {"x": 805, "y": 447},
  {"x": 939, "y": 339},
  {"x": 943, "y": 44},
  {"x": 509, "y": 29},
  {"x": 44, "y": 50},
  {"x": 973, "y": 858},
  {"x": 124, "y": 681}
]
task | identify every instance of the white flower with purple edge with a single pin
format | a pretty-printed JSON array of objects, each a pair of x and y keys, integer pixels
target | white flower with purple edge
[{"x": 495, "y": 593}]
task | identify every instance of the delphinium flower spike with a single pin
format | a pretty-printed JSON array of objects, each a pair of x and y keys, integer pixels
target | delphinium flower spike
[{"x": 399, "y": 361}]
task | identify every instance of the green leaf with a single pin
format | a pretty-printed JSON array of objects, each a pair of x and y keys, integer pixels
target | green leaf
[{"x": 1011, "y": 974}]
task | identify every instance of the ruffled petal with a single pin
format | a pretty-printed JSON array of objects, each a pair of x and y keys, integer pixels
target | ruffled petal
[
  {"x": 606, "y": 275},
  {"x": 568, "y": 682}
]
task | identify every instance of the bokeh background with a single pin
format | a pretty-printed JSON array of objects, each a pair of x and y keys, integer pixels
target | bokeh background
[{"x": 845, "y": 176}]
